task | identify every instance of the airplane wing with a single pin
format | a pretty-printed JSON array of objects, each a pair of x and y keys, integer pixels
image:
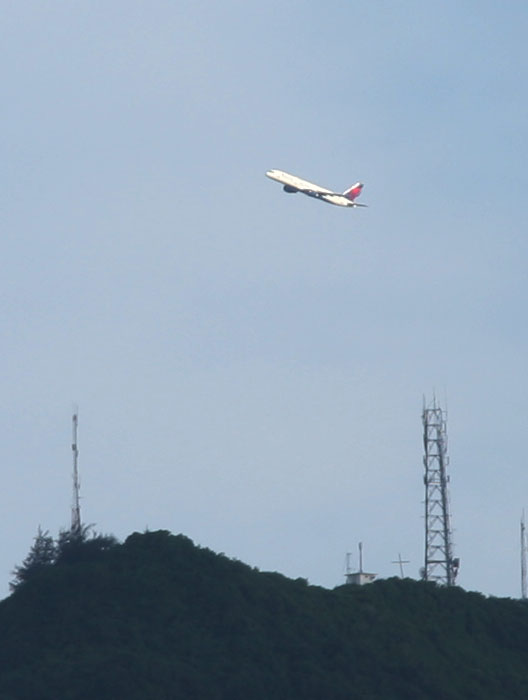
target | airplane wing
[{"x": 333, "y": 198}]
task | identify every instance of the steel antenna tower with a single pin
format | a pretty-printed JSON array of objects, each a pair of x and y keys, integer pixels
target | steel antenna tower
[
  {"x": 76, "y": 508},
  {"x": 440, "y": 566},
  {"x": 523, "y": 559}
]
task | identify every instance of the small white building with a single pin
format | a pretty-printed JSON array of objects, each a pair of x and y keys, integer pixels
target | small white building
[{"x": 358, "y": 578}]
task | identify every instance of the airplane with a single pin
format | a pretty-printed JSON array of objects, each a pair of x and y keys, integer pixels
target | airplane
[{"x": 293, "y": 184}]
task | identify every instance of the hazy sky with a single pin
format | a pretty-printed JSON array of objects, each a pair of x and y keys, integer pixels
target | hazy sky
[{"x": 249, "y": 366}]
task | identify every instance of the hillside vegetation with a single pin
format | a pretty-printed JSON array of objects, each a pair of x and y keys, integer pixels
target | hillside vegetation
[{"x": 157, "y": 618}]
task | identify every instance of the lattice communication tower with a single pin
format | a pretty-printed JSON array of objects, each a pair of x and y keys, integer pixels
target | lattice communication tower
[{"x": 440, "y": 565}]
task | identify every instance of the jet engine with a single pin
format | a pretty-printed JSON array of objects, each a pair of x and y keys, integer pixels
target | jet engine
[{"x": 290, "y": 189}]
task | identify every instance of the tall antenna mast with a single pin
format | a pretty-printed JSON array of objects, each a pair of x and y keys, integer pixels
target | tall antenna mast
[
  {"x": 440, "y": 566},
  {"x": 76, "y": 508},
  {"x": 523, "y": 559}
]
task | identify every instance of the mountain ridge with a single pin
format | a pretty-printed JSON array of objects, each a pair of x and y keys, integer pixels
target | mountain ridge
[{"x": 158, "y": 617}]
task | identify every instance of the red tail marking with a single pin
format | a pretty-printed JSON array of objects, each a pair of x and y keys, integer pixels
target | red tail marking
[{"x": 354, "y": 191}]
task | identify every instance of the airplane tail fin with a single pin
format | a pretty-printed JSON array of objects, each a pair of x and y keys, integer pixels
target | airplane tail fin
[{"x": 353, "y": 191}]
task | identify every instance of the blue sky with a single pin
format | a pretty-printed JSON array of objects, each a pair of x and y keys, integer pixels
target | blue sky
[{"x": 249, "y": 366}]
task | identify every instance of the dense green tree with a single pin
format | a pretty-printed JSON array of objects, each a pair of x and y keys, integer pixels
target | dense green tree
[
  {"x": 42, "y": 553},
  {"x": 81, "y": 544}
]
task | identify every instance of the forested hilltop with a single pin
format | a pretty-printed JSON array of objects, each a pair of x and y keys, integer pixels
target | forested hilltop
[{"x": 157, "y": 618}]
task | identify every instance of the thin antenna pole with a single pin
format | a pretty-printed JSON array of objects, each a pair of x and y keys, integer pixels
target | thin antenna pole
[
  {"x": 523, "y": 559},
  {"x": 361, "y": 557},
  {"x": 76, "y": 508}
]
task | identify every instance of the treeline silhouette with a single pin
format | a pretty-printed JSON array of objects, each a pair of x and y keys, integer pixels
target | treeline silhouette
[{"x": 158, "y": 618}]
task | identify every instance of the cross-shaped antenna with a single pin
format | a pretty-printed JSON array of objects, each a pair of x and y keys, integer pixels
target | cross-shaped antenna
[{"x": 401, "y": 562}]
